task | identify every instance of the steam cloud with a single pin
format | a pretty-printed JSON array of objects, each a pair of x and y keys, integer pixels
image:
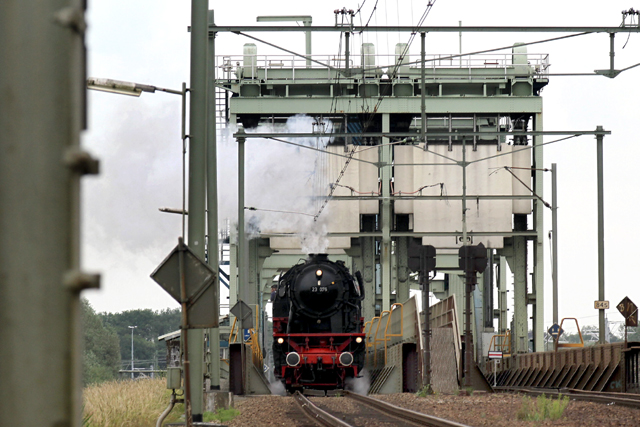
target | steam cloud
[
  {"x": 283, "y": 182},
  {"x": 359, "y": 385}
]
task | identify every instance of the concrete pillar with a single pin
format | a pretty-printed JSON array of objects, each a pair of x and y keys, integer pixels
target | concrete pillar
[
  {"x": 503, "y": 320},
  {"x": 385, "y": 215},
  {"x": 519, "y": 268},
  {"x": 233, "y": 277},
  {"x": 538, "y": 244},
  {"x": 368, "y": 275},
  {"x": 402, "y": 257}
]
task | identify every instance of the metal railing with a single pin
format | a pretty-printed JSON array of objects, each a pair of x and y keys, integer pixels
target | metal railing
[
  {"x": 387, "y": 335},
  {"x": 231, "y": 67},
  {"x": 501, "y": 342}
]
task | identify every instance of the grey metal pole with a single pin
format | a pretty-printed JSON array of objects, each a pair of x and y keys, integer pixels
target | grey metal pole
[
  {"x": 600, "y": 166},
  {"x": 554, "y": 239},
  {"x": 241, "y": 237},
  {"x": 242, "y": 259},
  {"x": 424, "y": 279},
  {"x": 42, "y": 112},
  {"x": 212, "y": 206},
  {"x": 346, "y": 53},
  {"x": 307, "y": 41},
  {"x": 460, "y": 43},
  {"x": 423, "y": 111},
  {"x": 464, "y": 190},
  {"x": 386, "y": 220},
  {"x": 470, "y": 280},
  {"x": 132, "y": 367},
  {"x": 197, "y": 151},
  {"x": 612, "y": 53}
]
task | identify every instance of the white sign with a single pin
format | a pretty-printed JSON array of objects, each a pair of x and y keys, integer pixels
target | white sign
[
  {"x": 601, "y": 305},
  {"x": 495, "y": 355}
]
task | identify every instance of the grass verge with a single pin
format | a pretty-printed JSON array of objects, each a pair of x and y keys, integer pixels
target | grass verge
[
  {"x": 127, "y": 403},
  {"x": 542, "y": 408}
]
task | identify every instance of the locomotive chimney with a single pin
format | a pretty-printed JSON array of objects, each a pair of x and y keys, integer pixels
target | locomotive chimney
[{"x": 318, "y": 257}]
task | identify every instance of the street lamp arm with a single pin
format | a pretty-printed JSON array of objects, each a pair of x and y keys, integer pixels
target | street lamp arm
[{"x": 125, "y": 88}]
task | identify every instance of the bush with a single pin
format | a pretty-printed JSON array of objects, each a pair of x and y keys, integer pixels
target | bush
[
  {"x": 424, "y": 391},
  {"x": 542, "y": 408}
]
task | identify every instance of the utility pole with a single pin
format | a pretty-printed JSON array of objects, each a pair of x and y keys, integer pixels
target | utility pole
[{"x": 132, "y": 366}]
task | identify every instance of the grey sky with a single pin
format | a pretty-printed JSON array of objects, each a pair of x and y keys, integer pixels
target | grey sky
[{"x": 138, "y": 139}]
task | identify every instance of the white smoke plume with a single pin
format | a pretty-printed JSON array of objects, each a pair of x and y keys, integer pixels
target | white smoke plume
[
  {"x": 359, "y": 385},
  {"x": 284, "y": 183},
  {"x": 277, "y": 388}
]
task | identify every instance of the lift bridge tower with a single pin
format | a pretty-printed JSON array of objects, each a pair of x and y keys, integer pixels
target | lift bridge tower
[{"x": 419, "y": 140}]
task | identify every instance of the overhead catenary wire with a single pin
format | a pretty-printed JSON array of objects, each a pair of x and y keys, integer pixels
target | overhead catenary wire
[
  {"x": 508, "y": 169},
  {"x": 251, "y": 208},
  {"x": 322, "y": 151},
  {"x": 375, "y": 109}
]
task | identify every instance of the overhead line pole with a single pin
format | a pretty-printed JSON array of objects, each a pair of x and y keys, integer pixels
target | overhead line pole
[
  {"x": 554, "y": 237},
  {"x": 600, "y": 167},
  {"x": 212, "y": 205},
  {"x": 197, "y": 182}
]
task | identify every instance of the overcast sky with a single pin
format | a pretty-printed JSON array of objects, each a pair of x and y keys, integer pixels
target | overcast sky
[{"x": 138, "y": 139}]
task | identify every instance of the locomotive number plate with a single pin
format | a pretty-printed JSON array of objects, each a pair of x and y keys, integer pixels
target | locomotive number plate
[{"x": 319, "y": 289}]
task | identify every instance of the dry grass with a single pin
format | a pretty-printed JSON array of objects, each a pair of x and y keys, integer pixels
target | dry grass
[{"x": 127, "y": 403}]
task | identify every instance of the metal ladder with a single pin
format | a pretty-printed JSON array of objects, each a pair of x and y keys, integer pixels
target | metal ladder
[{"x": 221, "y": 109}]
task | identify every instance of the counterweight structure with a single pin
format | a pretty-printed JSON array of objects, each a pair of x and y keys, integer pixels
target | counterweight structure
[{"x": 467, "y": 179}]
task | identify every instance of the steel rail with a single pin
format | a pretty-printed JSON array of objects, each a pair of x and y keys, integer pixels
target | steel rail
[
  {"x": 316, "y": 414},
  {"x": 403, "y": 413},
  {"x": 623, "y": 399}
]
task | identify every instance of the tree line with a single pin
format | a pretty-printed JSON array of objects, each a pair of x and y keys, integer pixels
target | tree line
[{"x": 107, "y": 338}]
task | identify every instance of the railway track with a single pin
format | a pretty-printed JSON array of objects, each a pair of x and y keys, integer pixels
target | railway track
[
  {"x": 387, "y": 414},
  {"x": 622, "y": 399}
]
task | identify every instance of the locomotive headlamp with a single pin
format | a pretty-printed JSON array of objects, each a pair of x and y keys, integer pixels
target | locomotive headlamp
[
  {"x": 280, "y": 340},
  {"x": 358, "y": 340},
  {"x": 346, "y": 359},
  {"x": 293, "y": 359},
  {"x": 318, "y": 273}
]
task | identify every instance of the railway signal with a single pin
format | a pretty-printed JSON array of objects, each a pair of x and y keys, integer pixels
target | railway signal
[
  {"x": 629, "y": 310},
  {"x": 422, "y": 259},
  {"x": 472, "y": 259}
]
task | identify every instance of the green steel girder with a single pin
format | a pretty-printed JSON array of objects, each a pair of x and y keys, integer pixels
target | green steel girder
[
  {"x": 355, "y": 105},
  {"x": 429, "y": 29}
]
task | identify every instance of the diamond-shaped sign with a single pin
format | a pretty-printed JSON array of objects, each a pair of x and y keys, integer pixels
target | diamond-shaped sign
[
  {"x": 626, "y": 307},
  {"x": 244, "y": 313},
  {"x": 555, "y": 331},
  {"x": 200, "y": 284}
]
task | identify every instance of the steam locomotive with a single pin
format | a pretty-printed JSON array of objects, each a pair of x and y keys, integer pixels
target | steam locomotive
[{"x": 318, "y": 337}]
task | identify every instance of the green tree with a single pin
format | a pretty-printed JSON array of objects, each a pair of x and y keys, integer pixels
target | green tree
[
  {"x": 150, "y": 325},
  {"x": 101, "y": 356}
]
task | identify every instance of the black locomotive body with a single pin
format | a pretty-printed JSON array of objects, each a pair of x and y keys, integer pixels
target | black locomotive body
[{"x": 318, "y": 337}]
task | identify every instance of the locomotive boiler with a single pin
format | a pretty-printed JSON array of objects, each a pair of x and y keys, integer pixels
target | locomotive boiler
[{"x": 318, "y": 337}]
